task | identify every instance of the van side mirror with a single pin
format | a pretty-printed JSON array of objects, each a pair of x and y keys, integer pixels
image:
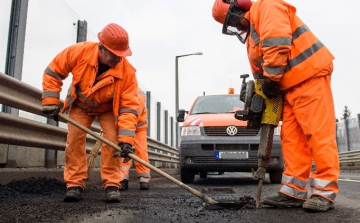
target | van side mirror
[{"x": 181, "y": 115}]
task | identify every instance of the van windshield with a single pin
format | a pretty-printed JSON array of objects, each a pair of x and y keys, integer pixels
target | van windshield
[{"x": 217, "y": 104}]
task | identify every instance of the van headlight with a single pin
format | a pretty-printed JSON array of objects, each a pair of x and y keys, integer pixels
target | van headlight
[{"x": 190, "y": 131}]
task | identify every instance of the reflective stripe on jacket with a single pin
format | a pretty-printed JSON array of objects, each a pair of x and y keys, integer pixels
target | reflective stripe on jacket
[
  {"x": 281, "y": 47},
  {"x": 115, "y": 89}
]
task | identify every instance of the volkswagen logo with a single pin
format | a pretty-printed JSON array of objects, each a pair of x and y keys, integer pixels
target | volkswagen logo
[{"x": 231, "y": 130}]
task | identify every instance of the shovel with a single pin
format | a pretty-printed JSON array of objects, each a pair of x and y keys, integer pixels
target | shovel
[
  {"x": 214, "y": 205},
  {"x": 228, "y": 205}
]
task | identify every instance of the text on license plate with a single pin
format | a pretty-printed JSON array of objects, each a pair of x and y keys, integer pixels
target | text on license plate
[{"x": 231, "y": 155}]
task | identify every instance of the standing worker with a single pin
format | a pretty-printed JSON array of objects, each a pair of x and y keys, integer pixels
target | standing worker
[
  {"x": 287, "y": 55},
  {"x": 104, "y": 86},
  {"x": 143, "y": 172}
]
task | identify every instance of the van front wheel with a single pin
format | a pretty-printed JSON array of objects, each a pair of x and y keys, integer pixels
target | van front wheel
[
  {"x": 187, "y": 176},
  {"x": 203, "y": 174},
  {"x": 275, "y": 176}
]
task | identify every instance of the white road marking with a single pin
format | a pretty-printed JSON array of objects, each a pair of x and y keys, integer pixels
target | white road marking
[{"x": 348, "y": 180}]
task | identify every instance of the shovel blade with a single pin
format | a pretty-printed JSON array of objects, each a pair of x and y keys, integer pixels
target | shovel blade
[{"x": 244, "y": 202}]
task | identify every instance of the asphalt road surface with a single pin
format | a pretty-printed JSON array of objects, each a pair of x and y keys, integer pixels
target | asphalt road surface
[{"x": 40, "y": 200}]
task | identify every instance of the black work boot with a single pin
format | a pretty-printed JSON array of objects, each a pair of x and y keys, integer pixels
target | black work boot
[
  {"x": 282, "y": 200},
  {"x": 144, "y": 186},
  {"x": 317, "y": 203},
  {"x": 73, "y": 194},
  {"x": 124, "y": 185},
  {"x": 112, "y": 194}
]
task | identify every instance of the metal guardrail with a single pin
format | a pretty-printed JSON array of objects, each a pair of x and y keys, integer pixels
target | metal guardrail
[
  {"x": 350, "y": 157},
  {"x": 24, "y": 132}
]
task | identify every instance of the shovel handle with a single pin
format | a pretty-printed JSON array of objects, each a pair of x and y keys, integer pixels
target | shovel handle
[{"x": 132, "y": 156}]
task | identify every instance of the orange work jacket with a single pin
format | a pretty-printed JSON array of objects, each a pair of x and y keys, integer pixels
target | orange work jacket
[
  {"x": 114, "y": 90},
  {"x": 281, "y": 47},
  {"x": 142, "y": 112}
]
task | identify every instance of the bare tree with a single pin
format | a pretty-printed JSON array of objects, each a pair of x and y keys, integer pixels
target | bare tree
[{"x": 346, "y": 113}]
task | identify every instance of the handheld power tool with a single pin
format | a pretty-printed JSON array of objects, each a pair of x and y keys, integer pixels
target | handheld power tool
[{"x": 261, "y": 113}]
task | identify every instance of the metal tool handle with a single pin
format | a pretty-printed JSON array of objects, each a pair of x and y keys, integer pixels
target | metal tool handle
[{"x": 264, "y": 154}]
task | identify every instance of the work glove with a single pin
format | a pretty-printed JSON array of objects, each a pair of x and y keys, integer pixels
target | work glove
[
  {"x": 126, "y": 148},
  {"x": 270, "y": 88},
  {"x": 51, "y": 111}
]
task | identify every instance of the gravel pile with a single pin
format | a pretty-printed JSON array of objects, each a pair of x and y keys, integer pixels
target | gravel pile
[{"x": 32, "y": 186}]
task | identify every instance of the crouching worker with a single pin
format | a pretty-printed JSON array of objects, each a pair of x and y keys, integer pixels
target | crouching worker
[
  {"x": 104, "y": 86},
  {"x": 143, "y": 172}
]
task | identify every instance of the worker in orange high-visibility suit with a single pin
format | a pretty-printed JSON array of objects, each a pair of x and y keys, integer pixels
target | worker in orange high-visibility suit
[
  {"x": 291, "y": 61},
  {"x": 141, "y": 150},
  {"x": 103, "y": 86}
]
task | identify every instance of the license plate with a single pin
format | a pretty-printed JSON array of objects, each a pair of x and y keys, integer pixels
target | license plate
[{"x": 231, "y": 155}]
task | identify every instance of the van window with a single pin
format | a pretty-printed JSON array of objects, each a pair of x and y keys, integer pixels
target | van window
[{"x": 217, "y": 104}]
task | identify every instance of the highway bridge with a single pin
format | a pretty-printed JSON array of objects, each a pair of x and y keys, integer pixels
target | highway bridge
[{"x": 31, "y": 161}]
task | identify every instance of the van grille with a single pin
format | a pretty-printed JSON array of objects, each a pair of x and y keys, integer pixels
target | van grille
[
  {"x": 231, "y": 147},
  {"x": 221, "y": 131}
]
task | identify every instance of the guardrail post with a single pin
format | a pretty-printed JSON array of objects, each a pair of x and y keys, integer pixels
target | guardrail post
[
  {"x": 358, "y": 131},
  {"x": 16, "y": 38},
  {"x": 81, "y": 31},
  {"x": 148, "y": 107},
  {"x": 166, "y": 126},
  {"x": 14, "y": 63},
  {"x": 158, "y": 120},
  {"x": 171, "y": 131},
  {"x": 176, "y": 135},
  {"x": 347, "y": 135},
  {"x": 346, "y": 128},
  {"x": 337, "y": 135}
]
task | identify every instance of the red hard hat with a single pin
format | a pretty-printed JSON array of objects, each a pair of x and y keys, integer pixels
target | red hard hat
[
  {"x": 115, "y": 39},
  {"x": 221, "y": 8}
]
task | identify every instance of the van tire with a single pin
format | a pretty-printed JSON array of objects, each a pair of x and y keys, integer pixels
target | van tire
[
  {"x": 275, "y": 176},
  {"x": 187, "y": 176},
  {"x": 203, "y": 174}
]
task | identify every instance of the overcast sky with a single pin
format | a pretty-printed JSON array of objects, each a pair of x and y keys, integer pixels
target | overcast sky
[{"x": 160, "y": 30}]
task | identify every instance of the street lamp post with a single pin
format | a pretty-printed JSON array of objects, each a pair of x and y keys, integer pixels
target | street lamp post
[
  {"x": 177, "y": 93},
  {"x": 177, "y": 79}
]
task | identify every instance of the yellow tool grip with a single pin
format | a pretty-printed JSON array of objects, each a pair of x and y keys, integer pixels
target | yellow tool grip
[{"x": 273, "y": 107}]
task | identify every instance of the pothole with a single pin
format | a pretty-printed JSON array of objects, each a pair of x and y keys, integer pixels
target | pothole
[{"x": 219, "y": 190}]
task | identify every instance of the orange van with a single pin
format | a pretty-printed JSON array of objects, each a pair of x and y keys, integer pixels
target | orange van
[{"x": 212, "y": 140}]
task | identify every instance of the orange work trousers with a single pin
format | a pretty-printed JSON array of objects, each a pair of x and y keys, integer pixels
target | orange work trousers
[
  {"x": 143, "y": 172},
  {"x": 75, "y": 170},
  {"x": 307, "y": 134}
]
